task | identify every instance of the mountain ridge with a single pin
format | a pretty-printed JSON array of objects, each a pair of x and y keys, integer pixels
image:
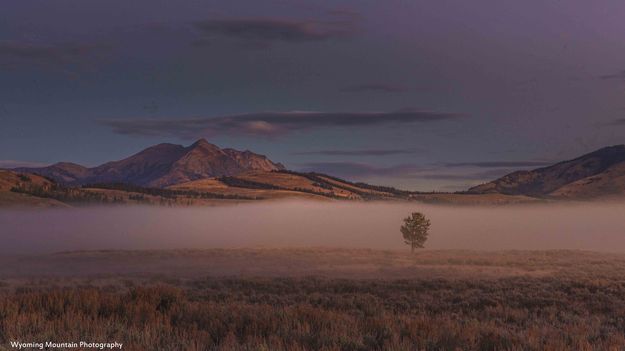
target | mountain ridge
[
  {"x": 567, "y": 179},
  {"x": 161, "y": 165}
]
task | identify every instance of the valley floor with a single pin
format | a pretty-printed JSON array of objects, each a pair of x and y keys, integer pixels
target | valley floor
[{"x": 317, "y": 299}]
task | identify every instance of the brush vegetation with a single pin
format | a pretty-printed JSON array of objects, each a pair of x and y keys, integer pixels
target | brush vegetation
[{"x": 527, "y": 301}]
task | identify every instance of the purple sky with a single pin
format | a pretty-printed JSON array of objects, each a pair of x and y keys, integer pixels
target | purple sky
[{"x": 417, "y": 94}]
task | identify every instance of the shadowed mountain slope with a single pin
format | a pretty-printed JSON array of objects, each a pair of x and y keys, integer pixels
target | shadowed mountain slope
[{"x": 598, "y": 174}]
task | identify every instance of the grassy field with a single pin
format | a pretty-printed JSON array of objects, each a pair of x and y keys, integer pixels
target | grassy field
[{"x": 317, "y": 299}]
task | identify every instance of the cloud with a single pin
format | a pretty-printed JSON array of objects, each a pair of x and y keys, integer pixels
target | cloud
[
  {"x": 494, "y": 170},
  {"x": 619, "y": 75},
  {"x": 268, "y": 123},
  {"x": 354, "y": 169},
  {"x": 12, "y": 53},
  {"x": 487, "y": 175},
  {"x": 374, "y": 88},
  {"x": 447, "y": 176},
  {"x": 455, "y": 187},
  {"x": 8, "y": 164},
  {"x": 365, "y": 152},
  {"x": 498, "y": 164},
  {"x": 275, "y": 30},
  {"x": 616, "y": 122}
]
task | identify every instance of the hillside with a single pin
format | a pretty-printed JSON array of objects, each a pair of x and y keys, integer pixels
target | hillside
[
  {"x": 28, "y": 190},
  {"x": 609, "y": 183},
  {"x": 161, "y": 165},
  {"x": 598, "y": 174},
  {"x": 279, "y": 184},
  {"x": 11, "y": 180},
  {"x": 22, "y": 189}
]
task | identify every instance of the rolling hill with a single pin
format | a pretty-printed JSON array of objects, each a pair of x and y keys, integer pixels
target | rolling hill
[
  {"x": 9, "y": 181},
  {"x": 595, "y": 175}
]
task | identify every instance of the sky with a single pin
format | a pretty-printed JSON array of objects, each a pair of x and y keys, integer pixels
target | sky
[{"x": 424, "y": 95}]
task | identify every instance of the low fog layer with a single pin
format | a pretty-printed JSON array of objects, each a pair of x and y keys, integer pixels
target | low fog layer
[{"x": 293, "y": 224}]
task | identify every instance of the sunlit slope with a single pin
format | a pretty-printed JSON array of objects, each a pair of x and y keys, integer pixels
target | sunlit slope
[
  {"x": 9, "y": 180},
  {"x": 269, "y": 185}
]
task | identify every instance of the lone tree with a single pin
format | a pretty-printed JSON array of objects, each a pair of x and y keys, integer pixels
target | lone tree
[{"x": 415, "y": 230}]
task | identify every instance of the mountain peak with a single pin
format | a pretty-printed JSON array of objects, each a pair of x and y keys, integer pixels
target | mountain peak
[
  {"x": 162, "y": 165},
  {"x": 202, "y": 142}
]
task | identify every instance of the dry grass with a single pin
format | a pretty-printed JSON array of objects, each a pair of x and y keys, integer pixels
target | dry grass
[
  {"x": 9, "y": 179},
  {"x": 9, "y": 199},
  {"x": 322, "y": 262},
  {"x": 14, "y": 200},
  {"x": 357, "y": 299},
  {"x": 291, "y": 181},
  {"x": 217, "y": 187},
  {"x": 354, "y": 188}
]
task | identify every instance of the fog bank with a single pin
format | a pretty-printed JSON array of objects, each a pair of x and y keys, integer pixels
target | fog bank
[{"x": 296, "y": 224}]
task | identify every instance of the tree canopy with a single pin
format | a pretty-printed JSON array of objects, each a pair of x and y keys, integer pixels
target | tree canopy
[{"x": 415, "y": 230}]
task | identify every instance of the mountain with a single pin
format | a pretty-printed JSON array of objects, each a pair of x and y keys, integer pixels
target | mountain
[
  {"x": 598, "y": 174},
  {"x": 162, "y": 165},
  {"x": 203, "y": 173}
]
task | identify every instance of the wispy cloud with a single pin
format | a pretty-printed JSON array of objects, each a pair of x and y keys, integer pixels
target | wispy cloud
[
  {"x": 354, "y": 169},
  {"x": 616, "y": 122},
  {"x": 19, "y": 53},
  {"x": 455, "y": 187},
  {"x": 374, "y": 87},
  {"x": 8, "y": 164},
  {"x": 499, "y": 164},
  {"x": 466, "y": 171},
  {"x": 465, "y": 176},
  {"x": 618, "y": 75},
  {"x": 268, "y": 123},
  {"x": 364, "y": 152},
  {"x": 275, "y": 29}
]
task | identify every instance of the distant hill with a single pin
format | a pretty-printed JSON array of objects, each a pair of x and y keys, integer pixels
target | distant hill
[
  {"x": 161, "y": 165},
  {"x": 598, "y": 174},
  {"x": 10, "y": 181}
]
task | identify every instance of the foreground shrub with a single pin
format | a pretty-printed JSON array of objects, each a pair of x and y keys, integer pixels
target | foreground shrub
[{"x": 317, "y": 314}]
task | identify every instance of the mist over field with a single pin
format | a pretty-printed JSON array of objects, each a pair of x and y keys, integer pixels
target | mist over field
[{"x": 296, "y": 224}]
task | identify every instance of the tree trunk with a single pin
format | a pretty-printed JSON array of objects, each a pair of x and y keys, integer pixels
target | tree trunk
[{"x": 412, "y": 249}]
